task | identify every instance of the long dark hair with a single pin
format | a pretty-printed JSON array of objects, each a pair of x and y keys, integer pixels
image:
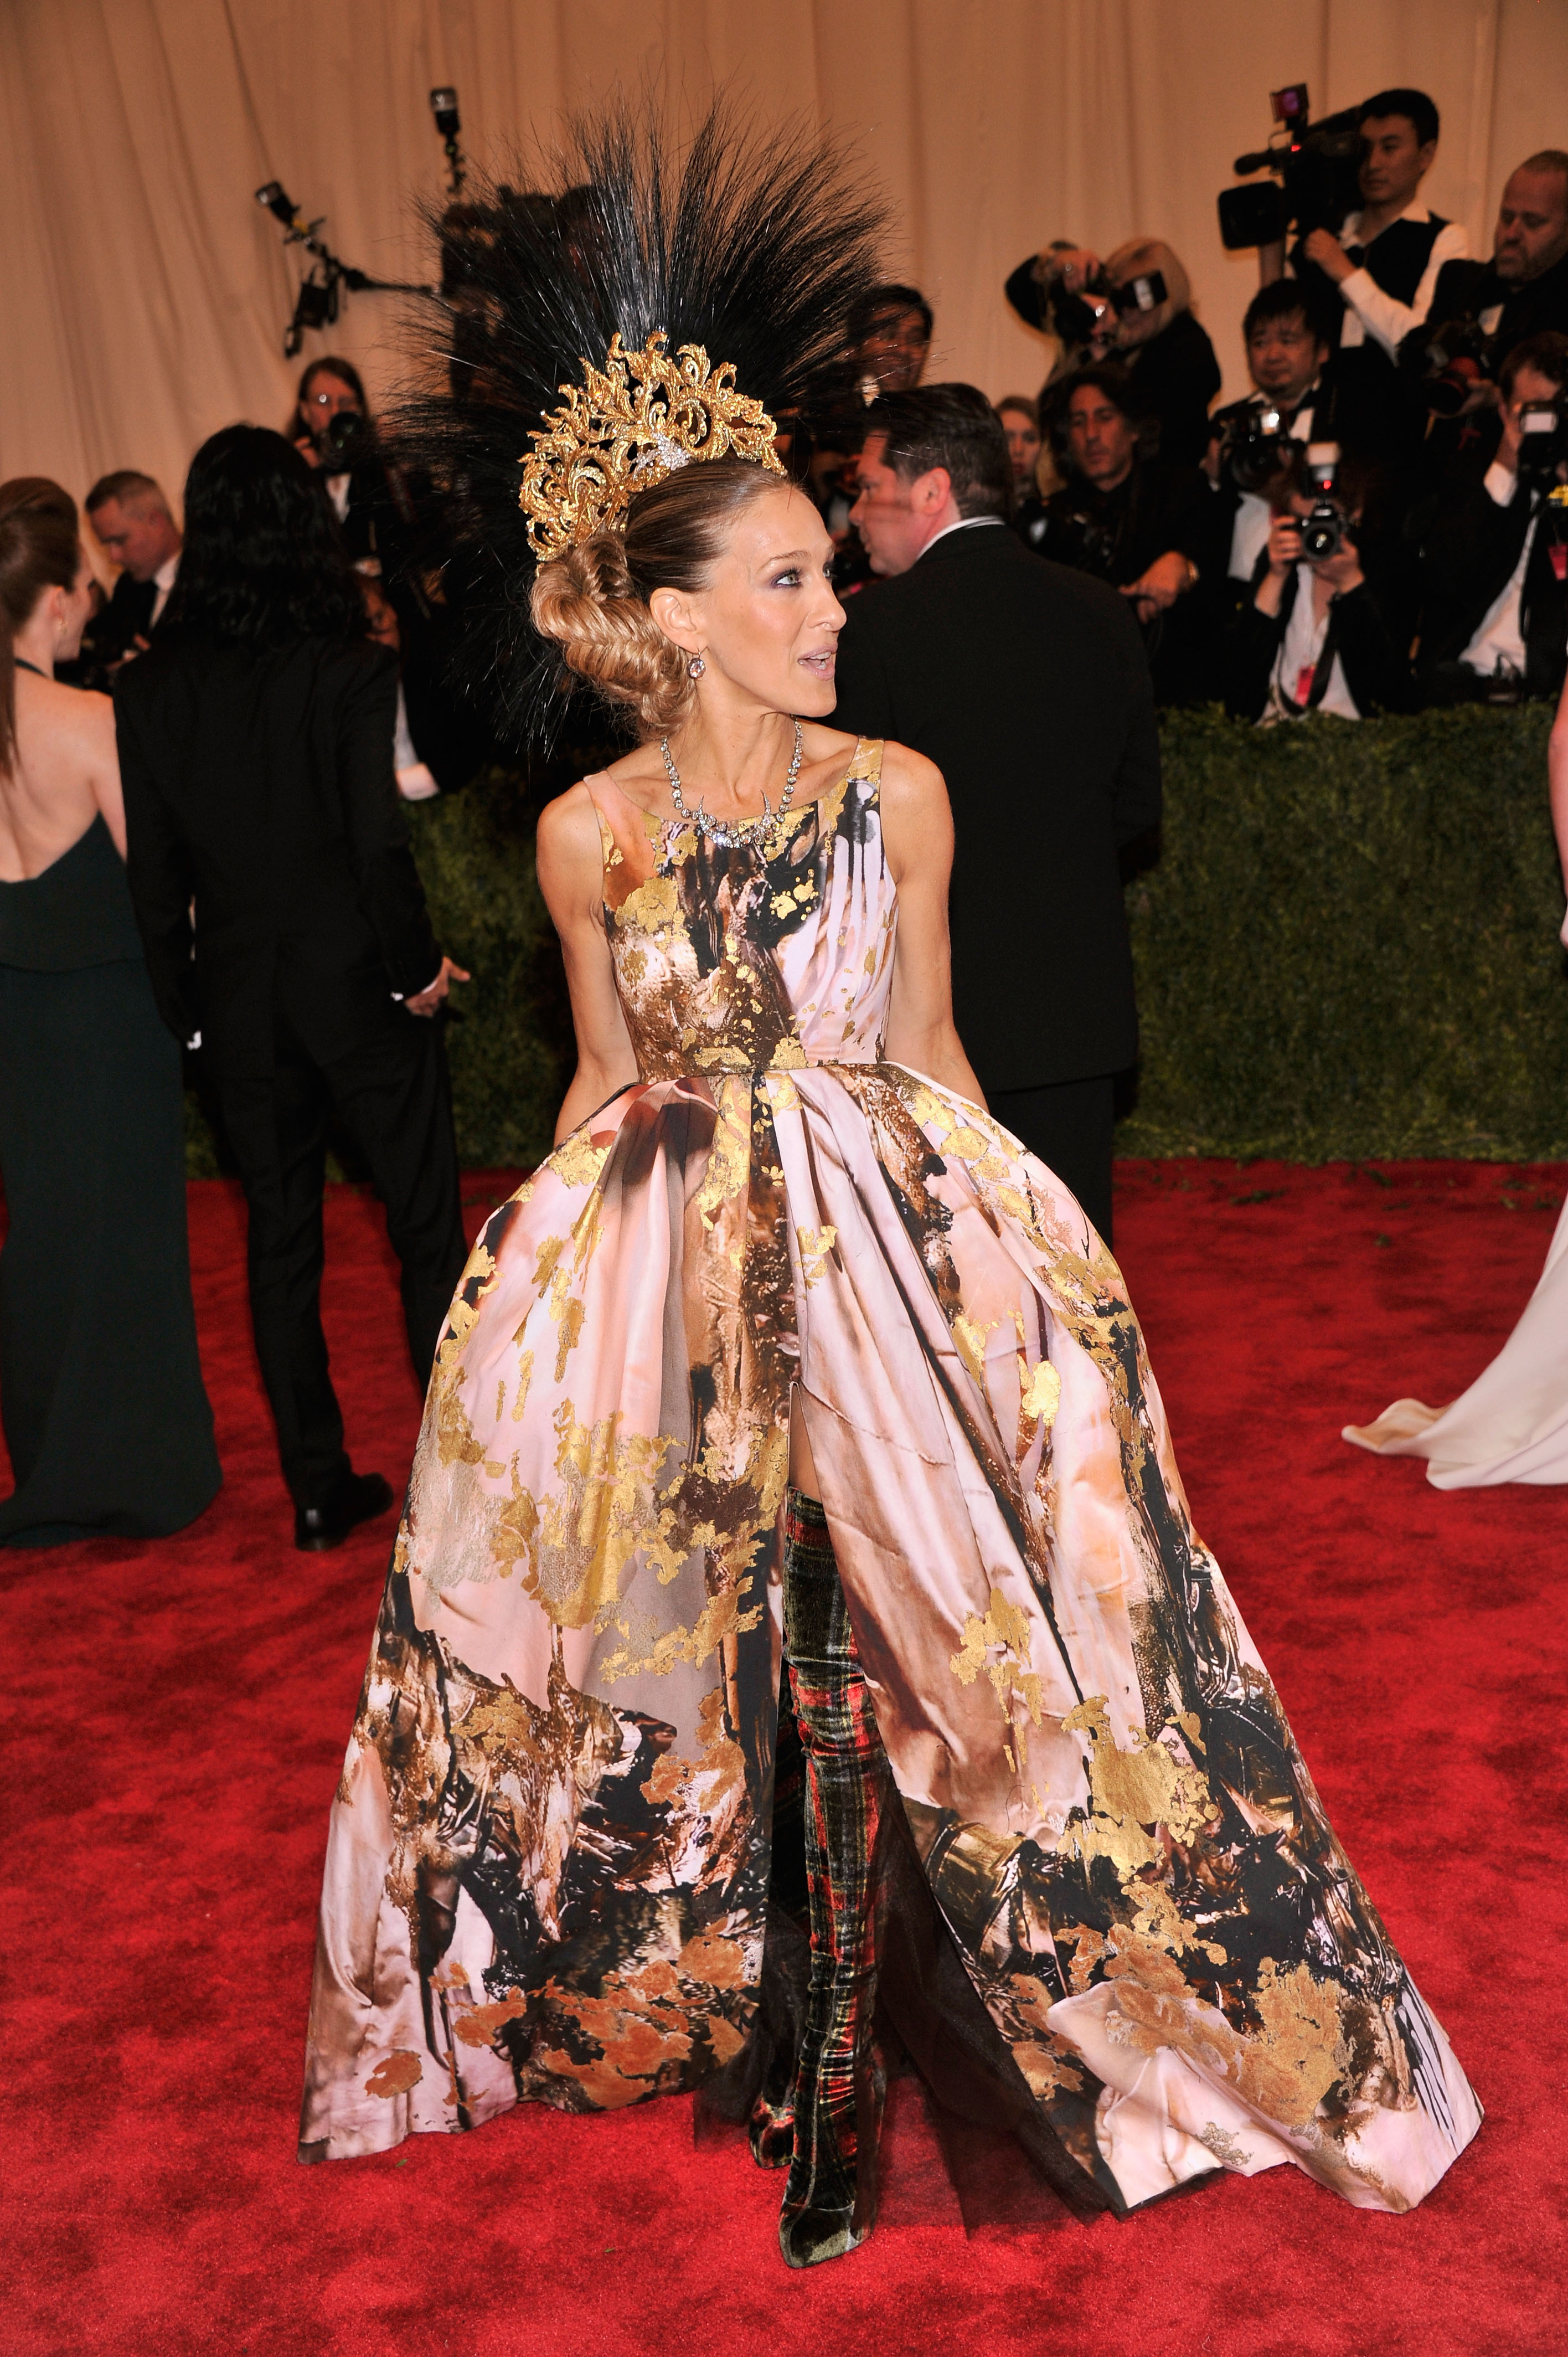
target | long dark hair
[
  {"x": 40, "y": 549},
  {"x": 263, "y": 564},
  {"x": 327, "y": 365}
]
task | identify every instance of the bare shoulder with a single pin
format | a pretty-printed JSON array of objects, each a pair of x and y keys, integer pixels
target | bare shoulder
[
  {"x": 569, "y": 827},
  {"x": 75, "y": 715},
  {"x": 909, "y": 782},
  {"x": 95, "y": 713},
  {"x": 642, "y": 767},
  {"x": 917, "y": 823},
  {"x": 569, "y": 854},
  {"x": 825, "y": 748}
]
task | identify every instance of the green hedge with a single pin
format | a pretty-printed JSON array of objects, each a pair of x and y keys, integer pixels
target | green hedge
[{"x": 1347, "y": 947}]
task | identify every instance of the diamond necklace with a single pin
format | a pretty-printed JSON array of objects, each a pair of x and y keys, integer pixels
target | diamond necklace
[{"x": 756, "y": 830}]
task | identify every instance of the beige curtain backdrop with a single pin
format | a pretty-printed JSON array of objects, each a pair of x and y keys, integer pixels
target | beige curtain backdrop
[{"x": 143, "y": 294}]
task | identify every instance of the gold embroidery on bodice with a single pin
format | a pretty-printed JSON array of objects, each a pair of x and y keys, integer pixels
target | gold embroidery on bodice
[{"x": 748, "y": 959}]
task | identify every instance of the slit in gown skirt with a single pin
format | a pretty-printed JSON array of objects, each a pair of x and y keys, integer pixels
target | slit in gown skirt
[{"x": 547, "y": 1868}]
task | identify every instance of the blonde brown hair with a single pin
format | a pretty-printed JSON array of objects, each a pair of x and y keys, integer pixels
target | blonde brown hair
[
  {"x": 1141, "y": 255},
  {"x": 592, "y": 602}
]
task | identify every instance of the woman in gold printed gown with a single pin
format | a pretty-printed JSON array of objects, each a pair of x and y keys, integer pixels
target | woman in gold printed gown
[{"x": 779, "y": 1254}]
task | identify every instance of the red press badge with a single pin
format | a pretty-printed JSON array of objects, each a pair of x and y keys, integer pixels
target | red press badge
[
  {"x": 1303, "y": 679},
  {"x": 1558, "y": 552}
]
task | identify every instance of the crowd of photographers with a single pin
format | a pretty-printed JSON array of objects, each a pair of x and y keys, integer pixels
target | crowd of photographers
[
  {"x": 440, "y": 742},
  {"x": 1383, "y": 521}
]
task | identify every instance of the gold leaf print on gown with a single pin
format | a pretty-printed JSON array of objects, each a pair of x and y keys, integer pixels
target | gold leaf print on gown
[{"x": 548, "y": 1862}]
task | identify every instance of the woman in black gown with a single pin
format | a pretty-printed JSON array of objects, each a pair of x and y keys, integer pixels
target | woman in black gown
[{"x": 108, "y": 1425}]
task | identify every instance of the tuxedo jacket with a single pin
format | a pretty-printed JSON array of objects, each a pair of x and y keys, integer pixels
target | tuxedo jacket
[
  {"x": 267, "y": 853},
  {"x": 1510, "y": 309},
  {"x": 1026, "y": 684},
  {"x": 112, "y": 632},
  {"x": 1359, "y": 634},
  {"x": 1471, "y": 549}
]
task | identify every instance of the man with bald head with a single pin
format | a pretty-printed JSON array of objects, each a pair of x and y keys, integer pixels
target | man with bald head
[
  {"x": 134, "y": 526},
  {"x": 1523, "y": 289}
]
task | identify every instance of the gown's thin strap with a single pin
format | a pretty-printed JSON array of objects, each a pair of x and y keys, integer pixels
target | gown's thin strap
[{"x": 606, "y": 833}]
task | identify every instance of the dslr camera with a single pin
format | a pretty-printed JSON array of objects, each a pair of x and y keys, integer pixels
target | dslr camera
[
  {"x": 1542, "y": 443},
  {"x": 1315, "y": 165},
  {"x": 1256, "y": 448},
  {"x": 1451, "y": 360},
  {"x": 345, "y": 442},
  {"x": 1323, "y": 530},
  {"x": 1099, "y": 308}
]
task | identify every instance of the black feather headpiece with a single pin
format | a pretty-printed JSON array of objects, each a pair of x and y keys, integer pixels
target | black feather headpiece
[{"x": 753, "y": 245}]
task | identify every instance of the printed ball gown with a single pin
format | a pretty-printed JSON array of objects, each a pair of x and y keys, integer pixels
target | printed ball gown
[{"x": 548, "y": 1863}]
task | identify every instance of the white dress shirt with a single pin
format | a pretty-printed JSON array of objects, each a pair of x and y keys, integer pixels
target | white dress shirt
[
  {"x": 1372, "y": 315},
  {"x": 964, "y": 523},
  {"x": 1300, "y": 651},
  {"x": 165, "y": 576},
  {"x": 415, "y": 781},
  {"x": 1500, "y": 638}
]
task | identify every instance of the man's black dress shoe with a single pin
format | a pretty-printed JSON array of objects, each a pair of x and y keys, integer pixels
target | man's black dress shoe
[{"x": 360, "y": 1497}]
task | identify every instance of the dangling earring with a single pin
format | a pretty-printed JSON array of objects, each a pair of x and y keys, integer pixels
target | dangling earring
[{"x": 695, "y": 668}]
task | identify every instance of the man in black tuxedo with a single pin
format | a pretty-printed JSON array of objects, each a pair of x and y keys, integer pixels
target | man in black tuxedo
[
  {"x": 1027, "y": 685},
  {"x": 1522, "y": 292},
  {"x": 1494, "y": 619},
  {"x": 285, "y": 927},
  {"x": 131, "y": 517}
]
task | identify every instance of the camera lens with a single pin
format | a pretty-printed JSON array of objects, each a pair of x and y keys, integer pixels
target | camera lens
[{"x": 1322, "y": 533}]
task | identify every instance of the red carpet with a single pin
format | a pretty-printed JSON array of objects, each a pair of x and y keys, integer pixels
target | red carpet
[{"x": 174, "y": 1722}]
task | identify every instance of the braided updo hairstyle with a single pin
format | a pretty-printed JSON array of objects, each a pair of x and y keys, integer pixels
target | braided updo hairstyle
[{"x": 592, "y": 602}]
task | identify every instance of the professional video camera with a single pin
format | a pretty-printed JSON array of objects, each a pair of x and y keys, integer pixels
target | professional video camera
[
  {"x": 1543, "y": 442},
  {"x": 1453, "y": 359},
  {"x": 1096, "y": 309},
  {"x": 1323, "y": 530},
  {"x": 1315, "y": 165}
]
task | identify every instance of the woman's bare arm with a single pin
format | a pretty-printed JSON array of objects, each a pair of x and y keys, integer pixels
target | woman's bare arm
[
  {"x": 1557, "y": 772},
  {"x": 571, "y": 876},
  {"x": 916, "y": 828},
  {"x": 102, "y": 758}
]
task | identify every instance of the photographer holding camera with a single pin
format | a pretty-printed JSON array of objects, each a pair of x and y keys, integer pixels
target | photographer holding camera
[
  {"x": 1135, "y": 307},
  {"x": 331, "y": 430},
  {"x": 1255, "y": 440},
  {"x": 441, "y": 742},
  {"x": 1314, "y": 637},
  {"x": 1494, "y": 566},
  {"x": 1376, "y": 277},
  {"x": 1482, "y": 310}
]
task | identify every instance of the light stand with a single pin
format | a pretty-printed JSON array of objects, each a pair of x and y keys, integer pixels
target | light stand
[
  {"x": 444, "y": 107},
  {"x": 318, "y": 301}
]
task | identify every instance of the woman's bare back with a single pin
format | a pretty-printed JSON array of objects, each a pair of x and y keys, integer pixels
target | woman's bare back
[{"x": 65, "y": 774}]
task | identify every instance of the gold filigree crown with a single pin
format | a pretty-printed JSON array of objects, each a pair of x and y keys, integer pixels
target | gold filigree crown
[{"x": 627, "y": 427}]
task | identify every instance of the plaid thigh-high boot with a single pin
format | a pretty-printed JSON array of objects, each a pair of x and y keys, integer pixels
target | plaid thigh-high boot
[{"x": 829, "y": 2197}]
